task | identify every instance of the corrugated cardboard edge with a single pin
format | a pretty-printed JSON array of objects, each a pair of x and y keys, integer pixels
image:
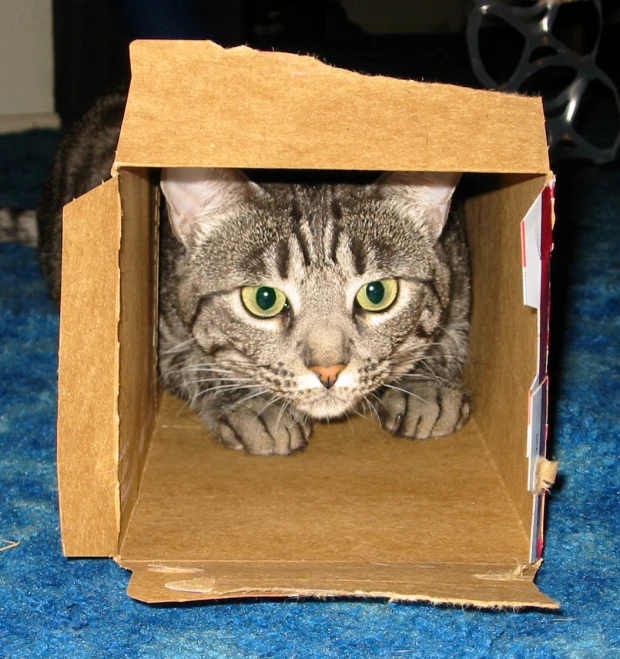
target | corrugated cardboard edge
[
  {"x": 545, "y": 470},
  {"x": 480, "y": 586},
  {"x": 88, "y": 419}
]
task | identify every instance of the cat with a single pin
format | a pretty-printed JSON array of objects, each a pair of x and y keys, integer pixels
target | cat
[{"x": 284, "y": 303}]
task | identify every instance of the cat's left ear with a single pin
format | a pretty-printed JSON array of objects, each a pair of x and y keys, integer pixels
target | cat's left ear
[
  {"x": 423, "y": 197},
  {"x": 200, "y": 199}
]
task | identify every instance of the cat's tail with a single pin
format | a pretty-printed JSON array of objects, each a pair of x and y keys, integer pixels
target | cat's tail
[{"x": 18, "y": 225}]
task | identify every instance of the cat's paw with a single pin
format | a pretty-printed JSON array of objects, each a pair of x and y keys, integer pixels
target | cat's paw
[
  {"x": 423, "y": 409},
  {"x": 261, "y": 430}
]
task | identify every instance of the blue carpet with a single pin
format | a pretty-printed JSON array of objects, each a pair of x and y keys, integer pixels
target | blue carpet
[{"x": 53, "y": 607}]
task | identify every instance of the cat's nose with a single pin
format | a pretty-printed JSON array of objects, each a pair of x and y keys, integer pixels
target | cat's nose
[{"x": 328, "y": 374}]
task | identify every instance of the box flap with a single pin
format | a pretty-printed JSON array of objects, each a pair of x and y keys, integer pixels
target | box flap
[
  {"x": 88, "y": 374},
  {"x": 194, "y": 104},
  {"x": 484, "y": 586}
]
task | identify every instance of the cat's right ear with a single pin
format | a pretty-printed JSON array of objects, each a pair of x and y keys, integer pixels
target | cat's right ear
[
  {"x": 200, "y": 199},
  {"x": 423, "y": 197}
]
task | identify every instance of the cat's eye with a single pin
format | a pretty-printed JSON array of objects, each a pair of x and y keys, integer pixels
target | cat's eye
[
  {"x": 377, "y": 295},
  {"x": 263, "y": 301}
]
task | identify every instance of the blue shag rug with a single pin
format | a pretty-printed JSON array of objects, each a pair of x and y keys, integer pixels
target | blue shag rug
[{"x": 54, "y": 607}]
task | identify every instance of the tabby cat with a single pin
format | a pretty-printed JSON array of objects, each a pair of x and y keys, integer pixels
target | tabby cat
[{"x": 283, "y": 304}]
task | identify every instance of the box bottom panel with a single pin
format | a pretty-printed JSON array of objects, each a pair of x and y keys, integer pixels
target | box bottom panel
[{"x": 357, "y": 512}]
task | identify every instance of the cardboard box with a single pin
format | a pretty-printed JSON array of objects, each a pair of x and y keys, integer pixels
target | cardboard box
[{"x": 359, "y": 513}]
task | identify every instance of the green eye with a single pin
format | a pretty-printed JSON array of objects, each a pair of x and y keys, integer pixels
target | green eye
[
  {"x": 377, "y": 295},
  {"x": 263, "y": 301}
]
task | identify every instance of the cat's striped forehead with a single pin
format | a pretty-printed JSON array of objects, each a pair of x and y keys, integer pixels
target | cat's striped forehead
[{"x": 318, "y": 233}]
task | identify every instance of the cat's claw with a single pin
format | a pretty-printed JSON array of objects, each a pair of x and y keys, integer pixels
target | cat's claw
[
  {"x": 423, "y": 409},
  {"x": 271, "y": 431}
]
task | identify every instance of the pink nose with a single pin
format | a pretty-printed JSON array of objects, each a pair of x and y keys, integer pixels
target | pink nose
[{"x": 328, "y": 374}]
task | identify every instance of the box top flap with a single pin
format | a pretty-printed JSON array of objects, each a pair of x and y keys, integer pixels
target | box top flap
[{"x": 193, "y": 103}]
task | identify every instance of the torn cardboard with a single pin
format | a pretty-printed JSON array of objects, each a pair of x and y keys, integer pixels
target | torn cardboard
[{"x": 359, "y": 513}]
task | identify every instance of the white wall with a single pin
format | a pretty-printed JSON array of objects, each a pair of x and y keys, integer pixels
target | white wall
[{"x": 26, "y": 64}]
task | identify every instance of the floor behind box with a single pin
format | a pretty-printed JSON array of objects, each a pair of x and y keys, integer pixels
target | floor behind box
[{"x": 51, "y": 606}]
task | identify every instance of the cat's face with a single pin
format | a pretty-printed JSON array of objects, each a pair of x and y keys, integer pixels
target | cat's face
[{"x": 312, "y": 296}]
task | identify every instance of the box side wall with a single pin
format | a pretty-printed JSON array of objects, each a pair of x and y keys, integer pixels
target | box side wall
[
  {"x": 137, "y": 332},
  {"x": 88, "y": 374},
  {"x": 504, "y": 332},
  {"x": 245, "y": 108}
]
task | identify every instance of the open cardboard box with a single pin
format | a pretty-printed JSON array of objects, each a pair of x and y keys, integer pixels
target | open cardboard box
[{"x": 359, "y": 512}]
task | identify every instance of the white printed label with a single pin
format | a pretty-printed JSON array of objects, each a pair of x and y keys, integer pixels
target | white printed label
[
  {"x": 535, "y": 532},
  {"x": 535, "y": 430},
  {"x": 531, "y": 239}
]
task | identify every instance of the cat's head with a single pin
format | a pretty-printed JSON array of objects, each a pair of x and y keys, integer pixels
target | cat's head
[{"x": 315, "y": 294}]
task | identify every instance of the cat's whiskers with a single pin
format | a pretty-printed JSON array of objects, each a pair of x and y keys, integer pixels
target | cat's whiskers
[
  {"x": 219, "y": 379},
  {"x": 269, "y": 403},
  {"x": 233, "y": 387},
  {"x": 346, "y": 414},
  {"x": 457, "y": 332},
  {"x": 236, "y": 404},
  {"x": 179, "y": 347},
  {"x": 424, "y": 377},
  {"x": 374, "y": 395},
  {"x": 425, "y": 361},
  {"x": 414, "y": 353},
  {"x": 372, "y": 408},
  {"x": 423, "y": 370},
  {"x": 280, "y": 414},
  {"x": 421, "y": 347},
  {"x": 197, "y": 393},
  {"x": 423, "y": 351},
  {"x": 356, "y": 411},
  {"x": 409, "y": 393},
  {"x": 203, "y": 368},
  {"x": 224, "y": 366}
]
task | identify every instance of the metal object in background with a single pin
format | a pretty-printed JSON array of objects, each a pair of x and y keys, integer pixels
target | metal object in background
[{"x": 544, "y": 61}]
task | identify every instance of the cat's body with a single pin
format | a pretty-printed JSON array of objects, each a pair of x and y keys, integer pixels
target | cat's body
[
  {"x": 283, "y": 304},
  {"x": 83, "y": 161}
]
